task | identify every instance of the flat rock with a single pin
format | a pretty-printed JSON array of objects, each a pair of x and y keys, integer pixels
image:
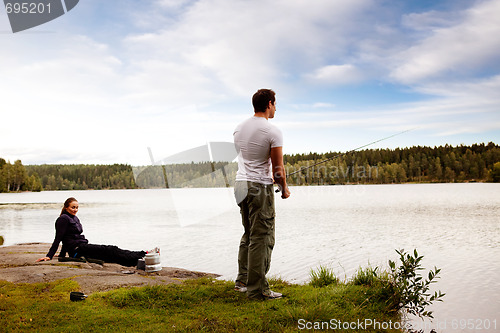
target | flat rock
[{"x": 18, "y": 265}]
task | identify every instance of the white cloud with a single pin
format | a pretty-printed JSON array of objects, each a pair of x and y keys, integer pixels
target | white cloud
[
  {"x": 171, "y": 4},
  {"x": 431, "y": 20},
  {"x": 461, "y": 108},
  {"x": 470, "y": 45},
  {"x": 323, "y": 105},
  {"x": 451, "y": 128},
  {"x": 337, "y": 74},
  {"x": 77, "y": 98},
  {"x": 240, "y": 45},
  {"x": 483, "y": 90},
  {"x": 176, "y": 86}
]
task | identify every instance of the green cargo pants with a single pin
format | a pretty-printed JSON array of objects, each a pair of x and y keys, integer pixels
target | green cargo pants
[{"x": 256, "y": 202}]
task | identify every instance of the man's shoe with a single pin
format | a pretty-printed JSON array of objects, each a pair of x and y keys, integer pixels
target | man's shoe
[
  {"x": 240, "y": 286},
  {"x": 272, "y": 295}
]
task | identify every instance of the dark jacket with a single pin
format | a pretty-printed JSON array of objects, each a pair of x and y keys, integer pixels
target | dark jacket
[{"x": 69, "y": 232}]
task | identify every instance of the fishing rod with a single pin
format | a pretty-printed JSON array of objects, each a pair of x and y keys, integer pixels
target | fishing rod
[{"x": 347, "y": 152}]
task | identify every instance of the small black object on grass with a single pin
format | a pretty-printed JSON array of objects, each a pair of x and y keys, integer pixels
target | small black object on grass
[{"x": 77, "y": 296}]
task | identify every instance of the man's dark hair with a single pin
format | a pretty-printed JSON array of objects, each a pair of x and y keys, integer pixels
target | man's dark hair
[{"x": 261, "y": 98}]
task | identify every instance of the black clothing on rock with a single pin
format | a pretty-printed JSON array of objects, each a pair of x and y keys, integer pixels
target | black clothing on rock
[
  {"x": 69, "y": 232},
  {"x": 109, "y": 253}
]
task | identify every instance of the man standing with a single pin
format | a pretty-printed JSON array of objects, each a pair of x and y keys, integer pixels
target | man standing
[{"x": 260, "y": 163}]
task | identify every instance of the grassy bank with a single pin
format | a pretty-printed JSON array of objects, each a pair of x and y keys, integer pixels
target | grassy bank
[
  {"x": 205, "y": 305},
  {"x": 370, "y": 301}
]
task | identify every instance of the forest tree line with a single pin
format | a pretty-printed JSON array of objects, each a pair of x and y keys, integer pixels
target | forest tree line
[
  {"x": 51, "y": 177},
  {"x": 478, "y": 162},
  {"x": 444, "y": 164}
]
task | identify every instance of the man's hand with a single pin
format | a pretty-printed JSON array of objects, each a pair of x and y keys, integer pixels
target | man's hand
[
  {"x": 279, "y": 173},
  {"x": 285, "y": 193}
]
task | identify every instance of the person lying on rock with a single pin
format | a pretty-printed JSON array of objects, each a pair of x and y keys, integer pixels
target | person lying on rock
[{"x": 69, "y": 232}]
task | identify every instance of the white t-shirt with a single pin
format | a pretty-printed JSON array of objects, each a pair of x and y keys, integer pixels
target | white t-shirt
[{"x": 254, "y": 139}]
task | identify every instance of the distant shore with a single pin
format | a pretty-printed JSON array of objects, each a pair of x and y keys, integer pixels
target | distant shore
[{"x": 443, "y": 164}]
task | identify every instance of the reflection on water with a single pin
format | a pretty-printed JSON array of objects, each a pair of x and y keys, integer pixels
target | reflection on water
[{"x": 455, "y": 226}]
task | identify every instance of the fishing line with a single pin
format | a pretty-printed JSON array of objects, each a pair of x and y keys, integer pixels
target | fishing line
[{"x": 347, "y": 152}]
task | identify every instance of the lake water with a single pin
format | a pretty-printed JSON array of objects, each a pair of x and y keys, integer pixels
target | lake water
[{"x": 455, "y": 226}]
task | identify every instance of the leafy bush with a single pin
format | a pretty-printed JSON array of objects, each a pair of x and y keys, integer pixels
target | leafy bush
[{"x": 411, "y": 289}]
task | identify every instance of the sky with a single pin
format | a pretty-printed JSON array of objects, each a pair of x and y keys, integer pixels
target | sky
[{"x": 109, "y": 79}]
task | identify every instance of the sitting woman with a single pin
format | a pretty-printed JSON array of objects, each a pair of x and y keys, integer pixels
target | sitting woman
[{"x": 69, "y": 232}]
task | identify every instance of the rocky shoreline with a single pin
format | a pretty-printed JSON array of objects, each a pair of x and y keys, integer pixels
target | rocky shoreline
[{"x": 18, "y": 265}]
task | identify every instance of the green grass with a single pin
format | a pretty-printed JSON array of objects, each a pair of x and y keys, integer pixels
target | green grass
[
  {"x": 368, "y": 276},
  {"x": 203, "y": 305},
  {"x": 323, "y": 277}
]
